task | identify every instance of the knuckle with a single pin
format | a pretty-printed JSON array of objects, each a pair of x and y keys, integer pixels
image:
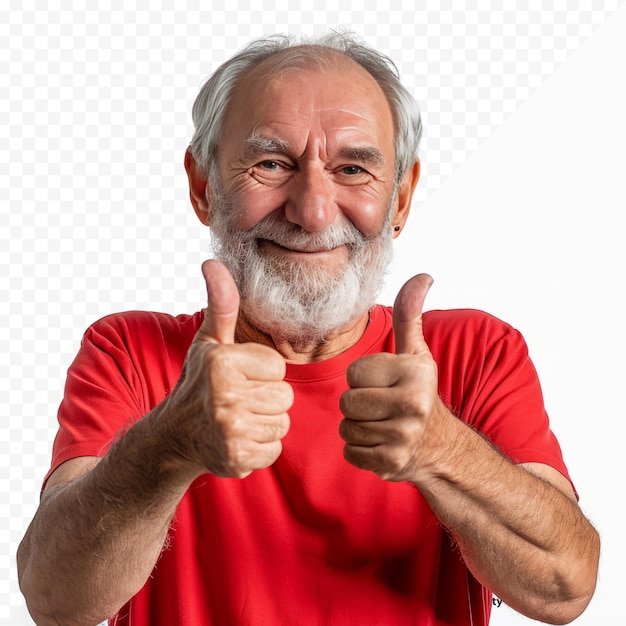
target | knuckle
[
  {"x": 350, "y": 455},
  {"x": 357, "y": 432},
  {"x": 283, "y": 426},
  {"x": 362, "y": 402},
  {"x": 215, "y": 354},
  {"x": 238, "y": 456},
  {"x": 289, "y": 393},
  {"x": 218, "y": 363},
  {"x": 391, "y": 462},
  {"x": 283, "y": 394},
  {"x": 407, "y": 431},
  {"x": 233, "y": 426},
  {"x": 277, "y": 428},
  {"x": 345, "y": 402},
  {"x": 274, "y": 451},
  {"x": 344, "y": 429},
  {"x": 357, "y": 372},
  {"x": 274, "y": 364},
  {"x": 361, "y": 372},
  {"x": 416, "y": 402},
  {"x": 352, "y": 372}
]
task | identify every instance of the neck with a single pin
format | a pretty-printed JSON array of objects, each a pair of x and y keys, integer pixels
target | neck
[{"x": 299, "y": 351}]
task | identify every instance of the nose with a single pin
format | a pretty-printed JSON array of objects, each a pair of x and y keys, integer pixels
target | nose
[{"x": 311, "y": 201}]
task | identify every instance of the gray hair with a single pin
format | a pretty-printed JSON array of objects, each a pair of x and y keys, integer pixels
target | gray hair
[{"x": 209, "y": 109}]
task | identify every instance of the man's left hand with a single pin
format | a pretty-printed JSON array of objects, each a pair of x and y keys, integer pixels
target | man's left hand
[{"x": 392, "y": 409}]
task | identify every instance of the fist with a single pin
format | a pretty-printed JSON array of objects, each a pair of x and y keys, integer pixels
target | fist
[
  {"x": 392, "y": 407},
  {"x": 230, "y": 405}
]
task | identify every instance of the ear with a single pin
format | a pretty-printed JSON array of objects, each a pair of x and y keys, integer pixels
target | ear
[
  {"x": 404, "y": 197},
  {"x": 198, "y": 189}
]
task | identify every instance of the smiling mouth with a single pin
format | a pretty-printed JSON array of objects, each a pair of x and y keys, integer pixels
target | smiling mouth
[{"x": 304, "y": 250}]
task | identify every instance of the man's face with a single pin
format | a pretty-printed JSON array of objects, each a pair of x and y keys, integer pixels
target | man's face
[
  {"x": 313, "y": 145},
  {"x": 305, "y": 195}
]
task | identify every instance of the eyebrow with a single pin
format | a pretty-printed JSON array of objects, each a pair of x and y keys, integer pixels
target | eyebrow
[
  {"x": 257, "y": 145},
  {"x": 366, "y": 154}
]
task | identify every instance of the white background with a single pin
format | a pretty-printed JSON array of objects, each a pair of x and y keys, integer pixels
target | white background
[{"x": 519, "y": 211}]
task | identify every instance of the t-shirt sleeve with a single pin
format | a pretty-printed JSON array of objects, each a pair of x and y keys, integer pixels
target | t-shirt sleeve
[
  {"x": 127, "y": 364},
  {"x": 492, "y": 384}
]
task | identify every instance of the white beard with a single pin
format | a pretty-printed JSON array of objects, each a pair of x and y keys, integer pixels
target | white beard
[{"x": 296, "y": 301}]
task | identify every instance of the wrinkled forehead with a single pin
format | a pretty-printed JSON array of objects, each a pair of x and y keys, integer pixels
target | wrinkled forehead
[{"x": 290, "y": 74}]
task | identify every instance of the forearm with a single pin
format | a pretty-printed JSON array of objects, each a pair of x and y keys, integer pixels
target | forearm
[
  {"x": 520, "y": 536},
  {"x": 95, "y": 540}
]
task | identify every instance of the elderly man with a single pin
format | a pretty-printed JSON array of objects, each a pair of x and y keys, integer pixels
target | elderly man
[{"x": 295, "y": 454}]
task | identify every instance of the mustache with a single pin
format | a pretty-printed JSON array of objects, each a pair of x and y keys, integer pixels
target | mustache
[{"x": 294, "y": 237}]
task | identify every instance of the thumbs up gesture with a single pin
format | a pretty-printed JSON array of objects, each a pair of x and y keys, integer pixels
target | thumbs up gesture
[
  {"x": 230, "y": 405},
  {"x": 392, "y": 407}
]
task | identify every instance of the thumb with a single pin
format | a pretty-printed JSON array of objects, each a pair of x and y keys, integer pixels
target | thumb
[
  {"x": 407, "y": 315},
  {"x": 222, "y": 309}
]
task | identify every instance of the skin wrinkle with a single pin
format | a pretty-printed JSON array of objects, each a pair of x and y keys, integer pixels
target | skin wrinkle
[
  {"x": 312, "y": 136},
  {"x": 258, "y": 145}
]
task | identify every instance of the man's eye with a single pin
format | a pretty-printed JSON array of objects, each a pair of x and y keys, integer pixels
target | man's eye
[
  {"x": 270, "y": 172},
  {"x": 270, "y": 165},
  {"x": 352, "y": 170}
]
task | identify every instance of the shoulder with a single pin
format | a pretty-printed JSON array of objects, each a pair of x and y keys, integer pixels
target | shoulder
[
  {"x": 133, "y": 331},
  {"x": 466, "y": 323},
  {"x": 467, "y": 334},
  {"x": 135, "y": 356},
  {"x": 456, "y": 319},
  {"x": 145, "y": 323},
  {"x": 471, "y": 335}
]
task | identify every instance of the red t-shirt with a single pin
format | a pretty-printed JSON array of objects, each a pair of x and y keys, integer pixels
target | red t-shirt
[{"x": 310, "y": 540}]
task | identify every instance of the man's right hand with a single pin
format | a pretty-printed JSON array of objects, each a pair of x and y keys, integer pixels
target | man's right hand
[{"x": 229, "y": 408}]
